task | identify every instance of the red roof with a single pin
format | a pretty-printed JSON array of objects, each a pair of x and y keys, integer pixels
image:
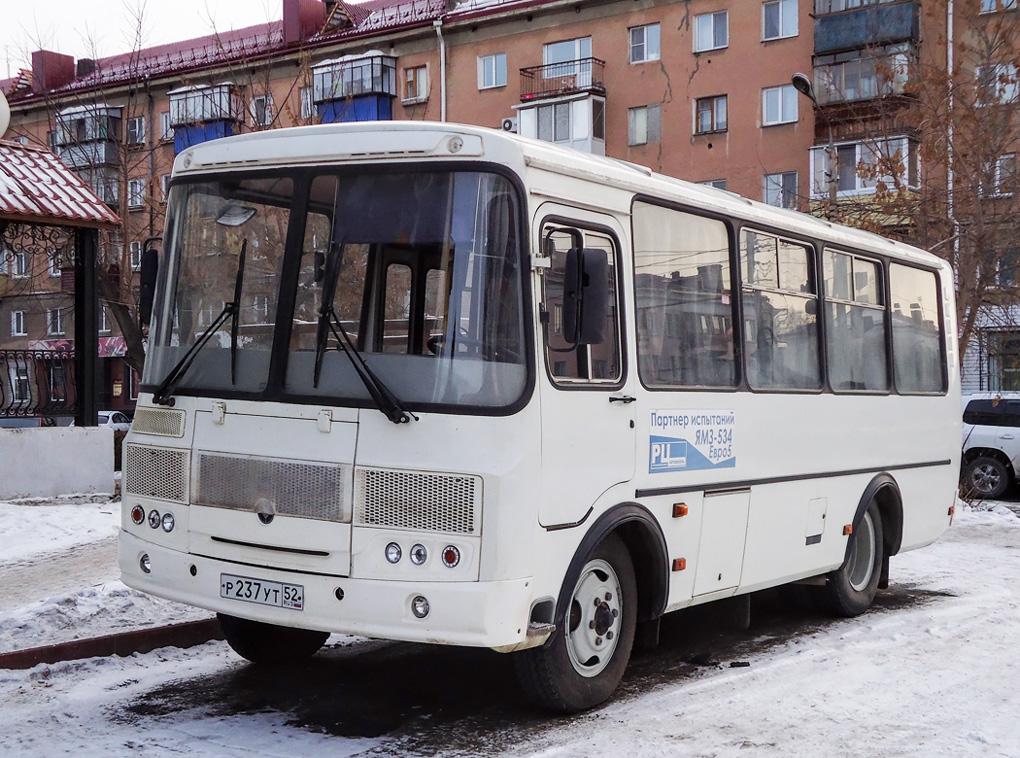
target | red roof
[{"x": 36, "y": 188}]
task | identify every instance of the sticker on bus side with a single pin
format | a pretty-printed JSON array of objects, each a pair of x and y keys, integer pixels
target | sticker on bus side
[{"x": 691, "y": 440}]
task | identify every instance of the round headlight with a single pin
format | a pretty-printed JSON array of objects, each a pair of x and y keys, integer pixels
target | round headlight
[
  {"x": 451, "y": 556},
  {"x": 420, "y": 607},
  {"x": 168, "y": 522},
  {"x": 145, "y": 564},
  {"x": 393, "y": 552},
  {"x": 154, "y": 519},
  {"x": 418, "y": 554},
  {"x": 138, "y": 514}
]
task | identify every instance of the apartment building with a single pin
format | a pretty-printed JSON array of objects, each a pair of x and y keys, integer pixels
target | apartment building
[{"x": 700, "y": 90}]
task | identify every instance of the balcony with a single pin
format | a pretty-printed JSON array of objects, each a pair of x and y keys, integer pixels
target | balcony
[
  {"x": 867, "y": 26},
  {"x": 566, "y": 78},
  {"x": 89, "y": 154}
]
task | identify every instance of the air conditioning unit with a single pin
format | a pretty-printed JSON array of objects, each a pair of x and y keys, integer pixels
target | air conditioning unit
[{"x": 510, "y": 124}]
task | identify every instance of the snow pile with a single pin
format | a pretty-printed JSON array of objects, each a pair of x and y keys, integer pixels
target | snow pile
[{"x": 31, "y": 527}]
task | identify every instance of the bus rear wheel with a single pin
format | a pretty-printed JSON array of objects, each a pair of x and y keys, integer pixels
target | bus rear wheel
[
  {"x": 852, "y": 587},
  {"x": 583, "y": 662},
  {"x": 270, "y": 644}
]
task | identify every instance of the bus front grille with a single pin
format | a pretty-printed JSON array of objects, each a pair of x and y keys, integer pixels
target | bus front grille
[
  {"x": 156, "y": 472},
  {"x": 290, "y": 488},
  {"x": 158, "y": 421},
  {"x": 431, "y": 502}
]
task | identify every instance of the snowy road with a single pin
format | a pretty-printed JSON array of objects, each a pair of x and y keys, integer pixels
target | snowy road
[{"x": 931, "y": 671}]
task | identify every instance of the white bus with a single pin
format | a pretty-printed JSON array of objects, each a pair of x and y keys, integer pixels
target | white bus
[{"x": 444, "y": 384}]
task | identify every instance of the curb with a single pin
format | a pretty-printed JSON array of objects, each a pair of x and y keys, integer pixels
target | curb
[{"x": 123, "y": 644}]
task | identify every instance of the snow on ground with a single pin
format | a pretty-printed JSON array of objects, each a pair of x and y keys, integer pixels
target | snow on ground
[
  {"x": 29, "y": 527},
  {"x": 934, "y": 678}
]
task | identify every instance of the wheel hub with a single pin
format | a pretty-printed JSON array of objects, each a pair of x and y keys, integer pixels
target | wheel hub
[{"x": 603, "y": 618}]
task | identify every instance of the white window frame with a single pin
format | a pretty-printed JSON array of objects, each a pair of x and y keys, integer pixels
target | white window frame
[
  {"x": 491, "y": 71},
  {"x": 19, "y": 325},
  {"x": 416, "y": 84},
  {"x": 775, "y": 191},
  {"x": 715, "y": 101},
  {"x": 993, "y": 6},
  {"x": 136, "y": 193},
  {"x": 783, "y": 101},
  {"x": 1008, "y": 92},
  {"x": 307, "y": 103},
  {"x": 648, "y": 46},
  {"x": 1002, "y": 174},
  {"x": 787, "y": 22},
  {"x": 886, "y": 145},
  {"x": 135, "y": 130},
  {"x": 21, "y": 267},
  {"x": 54, "y": 261},
  {"x": 20, "y": 378},
  {"x": 135, "y": 253},
  {"x": 164, "y": 185},
  {"x": 707, "y": 27},
  {"x": 104, "y": 320},
  {"x": 260, "y": 108},
  {"x": 166, "y": 130},
  {"x": 644, "y": 125},
  {"x": 54, "y": 322},
  {"x": 719, "y": 184}
]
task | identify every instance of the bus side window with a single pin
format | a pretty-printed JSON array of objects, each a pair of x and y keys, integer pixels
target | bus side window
[
  {"x": 855, "y": 323},
  {"x": 779, "y": 300},
  {"x": 684, "y": 299},
  {"x": 568, "y": 362},
  {"x": 918, "y": 363}
]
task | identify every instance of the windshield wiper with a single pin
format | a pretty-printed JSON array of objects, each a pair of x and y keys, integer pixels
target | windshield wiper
[
  {"x": 164, "y": 393},
  {"x": 328, "y": 322}
]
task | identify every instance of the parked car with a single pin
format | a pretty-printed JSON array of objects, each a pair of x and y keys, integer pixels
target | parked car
[
  {"x": 991, "y": 443},
  {"x": 116, "y": 420}
]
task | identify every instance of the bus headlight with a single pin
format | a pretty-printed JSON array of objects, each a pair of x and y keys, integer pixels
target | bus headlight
[
  {"x": 419, "y": 554},
  {"x": 168, "y": 522},
  {"x": 420, "y": 607},
  {"x": 393, "y": 552},
  {"x": 154, "y": 519}
]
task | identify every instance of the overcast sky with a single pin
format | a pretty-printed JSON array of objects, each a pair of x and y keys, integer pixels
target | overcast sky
[{"x": 98, "y": 28}]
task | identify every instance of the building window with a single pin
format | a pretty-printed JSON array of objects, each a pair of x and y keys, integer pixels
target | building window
[
  {"x": 491, "y": 71},
  {"x": 779, "y": 19},
  {"x": 997, "y": 84},
  {"x": 835, "y": 6},
  {"x": 862, "y": 165},
  {"x": 54, "y": 322},
  {"x": 166, "y": 131},
  {"x": 104, "y": 320},
  {"x": 1006, "y": 273},
  {"x": 307, "y": 104},
  {"x": 991, "y": 6},
  {"x": 21, "y": 387},
  {"x": 261, "y": 108},
  {"x": 554, "y": 122},
  {"x": 20, "y": 268},
  {"x": 164, "y": 186},
  {"x": 643, "y": 125},
  {"x": 136, "y": 130},
  {"x": 779, "y": 105},
  {"x": 21, "y": 139},
  {"x": 1001, "y": 176},
  {"x": 862, "y": 74},
  {"x": 570, "y": 60},
  {"x": 717, "y": 183},
  {"x": 18, "y": 327},
  {"x": 54, "y": 262},
  {"x": 57, "y": 381},
  {"x": 780, "y": 190},
  {"x": 644, "y": 43},
  {"x": 711, "y": 31},
  {"x": 710, "y": 114},
  {"x": 136, "y": 255},
  {"x": 416, "y": 84},
  {"x": 136, "y": 193}
]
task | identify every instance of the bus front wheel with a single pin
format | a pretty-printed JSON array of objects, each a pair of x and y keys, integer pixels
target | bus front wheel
[
  {"x": 267, "y": 643},
  {"x": 583, "y": 662},
  {"x": 852, "y": 587}
]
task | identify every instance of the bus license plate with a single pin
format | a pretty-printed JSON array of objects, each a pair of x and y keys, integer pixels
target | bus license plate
[{"x": 260, "y": 591}]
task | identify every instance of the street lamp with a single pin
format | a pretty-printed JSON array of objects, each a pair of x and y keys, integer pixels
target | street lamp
[{"x": 802, "y": 84}]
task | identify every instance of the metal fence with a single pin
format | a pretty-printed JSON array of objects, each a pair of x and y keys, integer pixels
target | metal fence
[
  {"x": 37, "y": 383},
  {"x": 568, "y": 77}
]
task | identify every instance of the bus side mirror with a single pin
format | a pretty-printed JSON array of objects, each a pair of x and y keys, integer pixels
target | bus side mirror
[
  {"x": 147, "y": 286},
  {"x": 585, "y": 296}
]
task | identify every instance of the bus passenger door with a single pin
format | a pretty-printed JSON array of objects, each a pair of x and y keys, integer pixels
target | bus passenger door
[{"x": 587, "y": 412}]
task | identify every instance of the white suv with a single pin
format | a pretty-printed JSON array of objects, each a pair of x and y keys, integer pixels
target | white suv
[{"x": 991, "y": 443}]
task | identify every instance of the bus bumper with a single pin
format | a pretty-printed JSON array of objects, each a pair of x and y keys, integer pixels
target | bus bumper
[{"x": 475, "y": 614}]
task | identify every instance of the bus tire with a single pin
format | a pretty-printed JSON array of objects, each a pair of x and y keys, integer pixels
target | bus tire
[
  {"x": 852, "y": 587},
  {"x": 269, "y": 644},
  {"x": 583, "y": 662},
  {"x": 985, "y": 477}
]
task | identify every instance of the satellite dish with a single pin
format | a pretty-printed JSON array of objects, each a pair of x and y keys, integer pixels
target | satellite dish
[{"x": 5, "y": 114}]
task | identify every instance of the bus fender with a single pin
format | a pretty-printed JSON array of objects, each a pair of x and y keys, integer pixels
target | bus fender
[
  {"x": 643, "y": 537},
  {"x": 883, "y": 490}
]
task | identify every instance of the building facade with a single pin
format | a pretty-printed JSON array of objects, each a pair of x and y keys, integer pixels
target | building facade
[{"x": 701, "y": 90}]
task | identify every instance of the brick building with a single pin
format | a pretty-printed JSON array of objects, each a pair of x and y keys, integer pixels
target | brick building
[{"x": 699, "y": 90}]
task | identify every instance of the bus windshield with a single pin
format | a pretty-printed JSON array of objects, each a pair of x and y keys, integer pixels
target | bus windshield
[{"x": 272, "y": 287}]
